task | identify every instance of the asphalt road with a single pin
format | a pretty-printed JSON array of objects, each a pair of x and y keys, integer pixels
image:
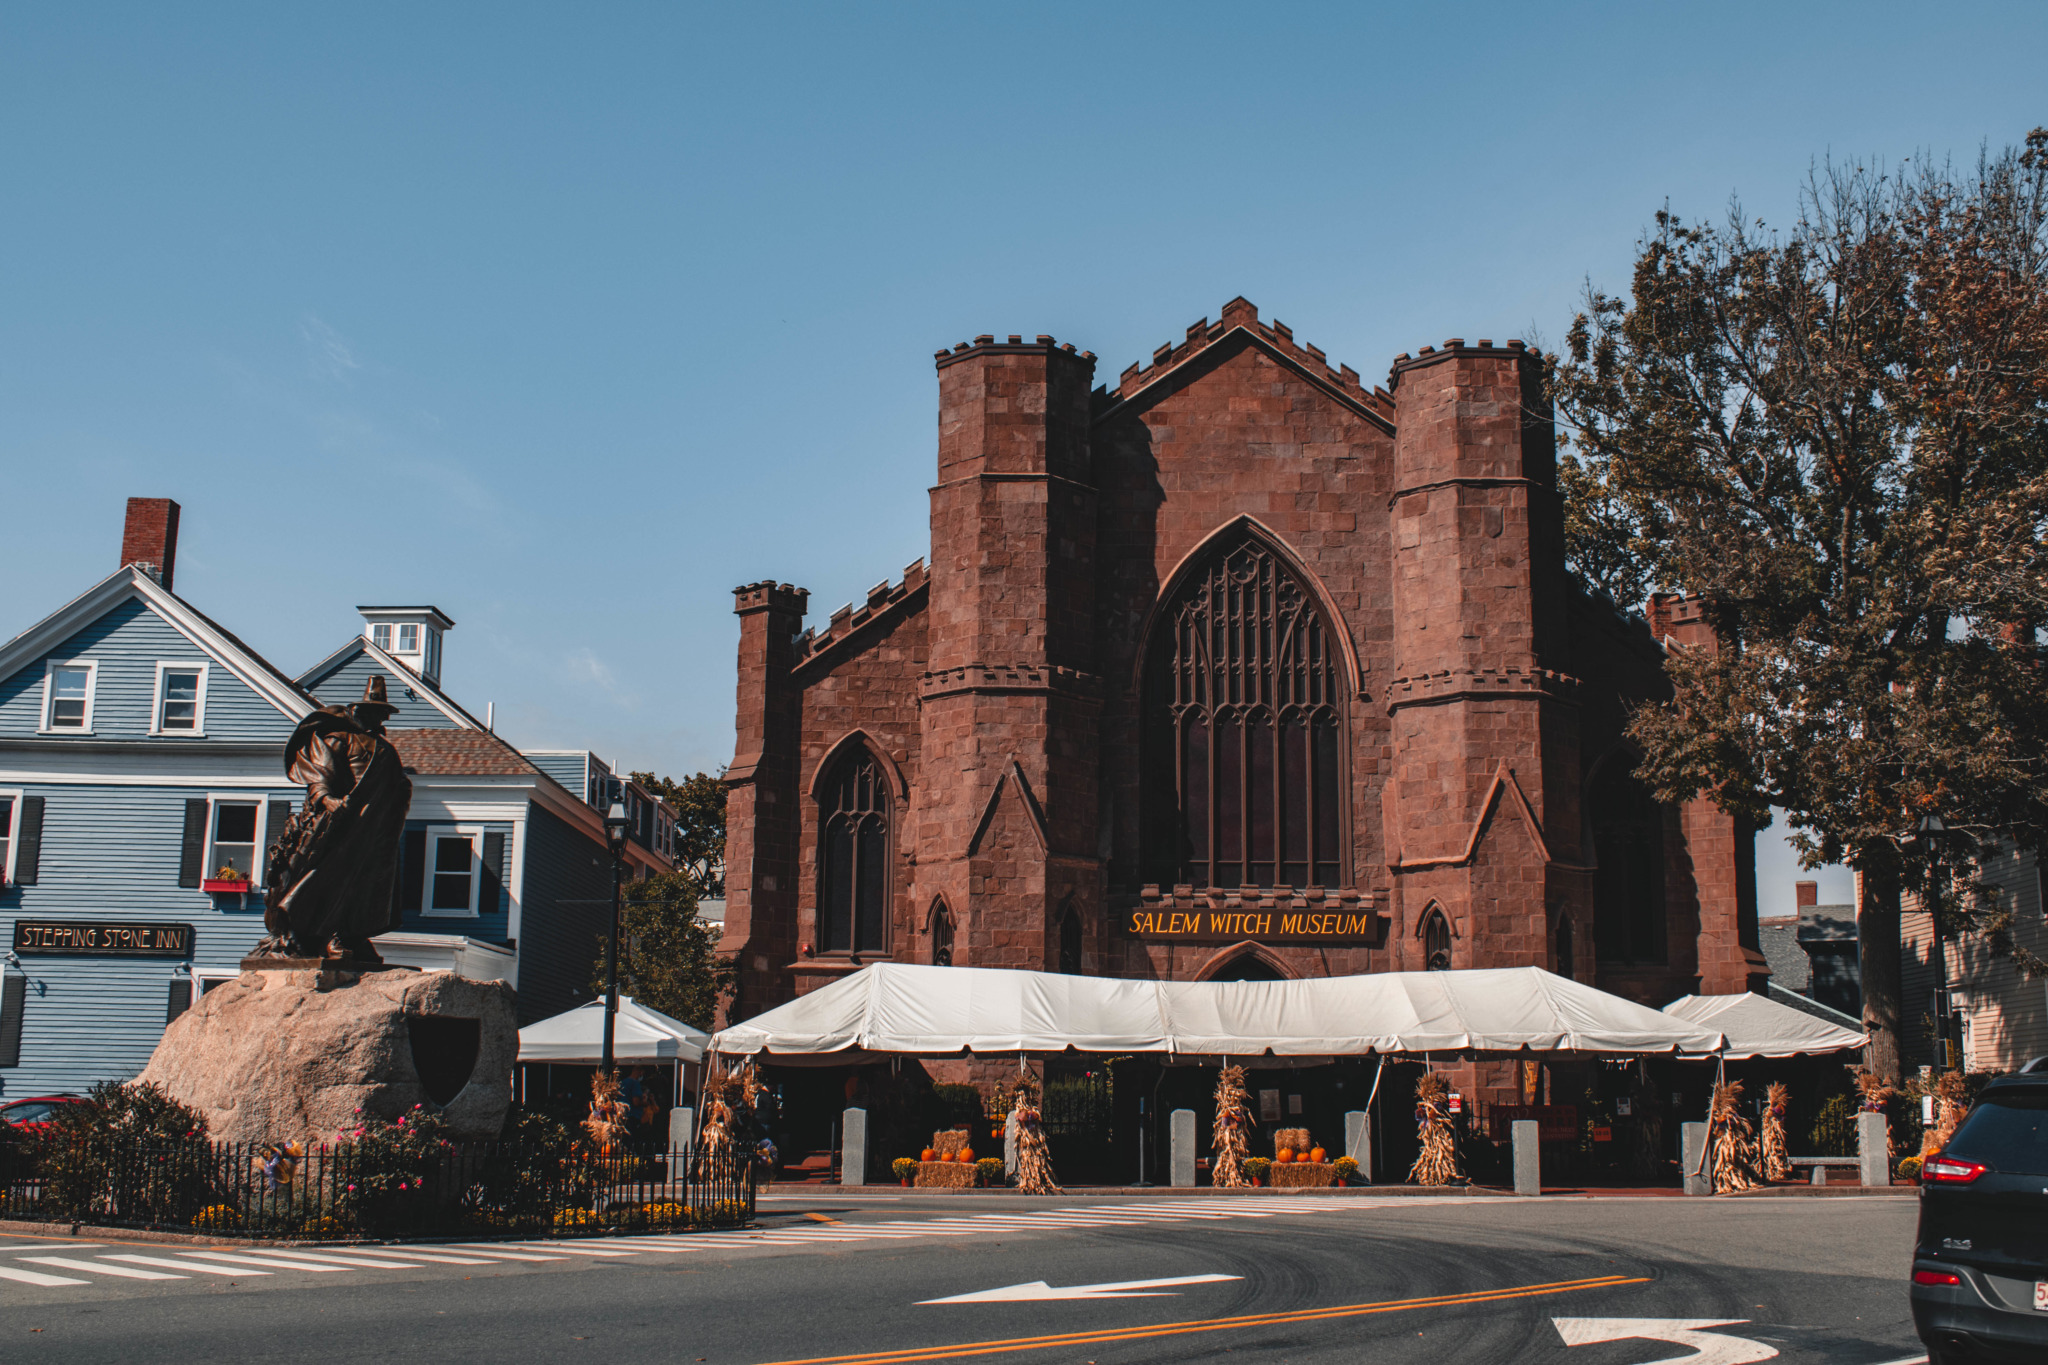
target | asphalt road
[{"x": 1395, "y": 1280}]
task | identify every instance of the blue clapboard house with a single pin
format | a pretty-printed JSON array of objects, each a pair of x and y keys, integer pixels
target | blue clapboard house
[{"x": 142, "y": 780}]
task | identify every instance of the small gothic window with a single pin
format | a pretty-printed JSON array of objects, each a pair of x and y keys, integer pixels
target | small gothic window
[
  {"x": 1564, "y": 947},
  {"x": 1070, "y": 940},
  {"x": 853, "y": 857},
  {"x": 942, "y": 935},
  {"x": 1244, "y": 731},
  {"x": 1436, "y": 942},
  {"x": 1628, "y": 881}
]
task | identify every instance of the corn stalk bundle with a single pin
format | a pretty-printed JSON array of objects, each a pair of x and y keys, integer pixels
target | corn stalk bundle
[
  {"x": 606, "y": 1122},
  {"x": 1438, "y": 1163},
  {"x": 1777, "y": 1159},
  {"x": 1877, "y": 1099},
  {"x": 1950, "y": 1104},
  {"x": 1731, "y": 1157},
  {"x": 1034, "y": 1157},
  {"x": 1233, "y": 1120}
]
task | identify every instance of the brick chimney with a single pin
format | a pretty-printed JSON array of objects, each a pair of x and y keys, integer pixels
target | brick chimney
[
  {"x": 1808, "y": 894},
  {"x": 150, "y": 539}
]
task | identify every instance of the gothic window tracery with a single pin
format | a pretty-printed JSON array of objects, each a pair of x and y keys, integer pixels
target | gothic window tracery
[
  {"x": 942, "y": 934},
  {"x": 853, "y": 857},
  {"x": 1244, "y": 721},
  {"x": 1436, "y": 941}
]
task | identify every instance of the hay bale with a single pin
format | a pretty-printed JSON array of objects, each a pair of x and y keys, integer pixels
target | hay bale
[
  {"x": 1302, "y": 1175},
  {"x": 948, "y": 1142},
  {"x": 945, "y": 1175},
  {"x": 1294, "y": 1140}
]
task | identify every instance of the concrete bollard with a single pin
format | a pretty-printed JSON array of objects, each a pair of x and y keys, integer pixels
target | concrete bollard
[
  {"x": 1183, "y": 1167},
  {"x": 853, "y": 1147},
  {"x": 1872, "y": 1144},
  {"x": 682, "y": 1127},
  {"x": 1692, "y": 1152},
  {"x": 1358, "y": 1143},
  {"x": 1528, "y": 1157}
]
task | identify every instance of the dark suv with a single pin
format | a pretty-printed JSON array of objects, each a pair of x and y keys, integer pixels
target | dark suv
[{"x": 1980, "y": 1261}]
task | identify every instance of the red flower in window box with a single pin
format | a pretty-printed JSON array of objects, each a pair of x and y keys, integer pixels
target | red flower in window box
[{"x": 226, "y": 882}]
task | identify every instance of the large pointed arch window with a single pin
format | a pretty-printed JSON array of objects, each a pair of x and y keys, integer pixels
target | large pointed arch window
[
  {"x": 1244, "y": 731},
  {"x": 853, "y": 857},
  {"x": 1628, "y": 879}
]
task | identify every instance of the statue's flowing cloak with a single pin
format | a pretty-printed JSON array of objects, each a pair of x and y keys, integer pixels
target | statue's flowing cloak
[{"x": 332, "y": 870}]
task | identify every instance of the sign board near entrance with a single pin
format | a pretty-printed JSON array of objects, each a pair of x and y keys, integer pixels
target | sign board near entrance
[
  {"x": 1347, "y": 926},
  {"x": 102, "y": 939}
]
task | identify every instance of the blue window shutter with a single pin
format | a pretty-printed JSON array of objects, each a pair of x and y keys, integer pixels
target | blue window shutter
[
  {"x": 412, "y": 870},
  {"x": 181, "y": 998},
  {"x": 193, "y": 851},
  {"x": 13, "y": 1000},
  {"x": 494, "y": 874},
  {"x": 30, "y": 853},
  {"x": 274, "y": 821}
]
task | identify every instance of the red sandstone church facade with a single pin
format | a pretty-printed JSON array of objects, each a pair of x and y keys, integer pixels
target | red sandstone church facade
[{"x": 1238, "y": 667}]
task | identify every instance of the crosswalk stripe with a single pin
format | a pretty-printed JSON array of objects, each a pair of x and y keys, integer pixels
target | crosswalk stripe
[
  {"x": 494, "y": 1249},
  {"x": 184, "y": 1265},
  {"x": 35, "y": 1277},
  {"x": 67, "y": 1263},
  {"x": 350, "y": 1261},
  {"x": 408, "y": 1253},
  {"x": 44, "y": 1246},
  {"x": 269, "y": 1263},
  {"x": 589, "y": 1251}
]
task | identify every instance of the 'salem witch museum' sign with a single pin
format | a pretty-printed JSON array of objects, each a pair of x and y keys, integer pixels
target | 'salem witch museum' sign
[
  {"x": 102, "y": 939},
  {"x": 1349, "y": 926}
]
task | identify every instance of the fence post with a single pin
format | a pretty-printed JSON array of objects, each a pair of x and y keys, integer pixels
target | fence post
[
  {"x": 1692, "y": 1151},
  {"x": 1872, "y": 1149},
  {"x": 1358, "y": 1142},
  {"x": 853, "y": 1149},
  {"x": 1528, "y": 1156},
  {"x": 1183, "y": 1167}
]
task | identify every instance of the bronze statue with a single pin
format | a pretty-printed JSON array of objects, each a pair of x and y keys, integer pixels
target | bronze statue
[{"x": 332, "y": 869}]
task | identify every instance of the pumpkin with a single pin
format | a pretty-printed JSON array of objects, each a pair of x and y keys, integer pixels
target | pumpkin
[
  {"x": 929, "y": 1155},
  {"x": 966, "y": 1157},
  {"x": 1317, "y": 1154},
  {"x": 1284, "y": 1155}
]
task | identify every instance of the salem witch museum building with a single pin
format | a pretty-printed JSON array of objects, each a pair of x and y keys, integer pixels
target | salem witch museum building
[{"x": 1237, "y": 668}]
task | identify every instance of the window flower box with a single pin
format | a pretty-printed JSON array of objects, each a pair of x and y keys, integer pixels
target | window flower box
[{"x": 234, "y": 887}]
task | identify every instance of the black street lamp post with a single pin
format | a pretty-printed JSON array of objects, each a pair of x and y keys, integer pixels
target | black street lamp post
[
  {"x": 1928, "y": 833},
  {"x": 615, "y": 825}
]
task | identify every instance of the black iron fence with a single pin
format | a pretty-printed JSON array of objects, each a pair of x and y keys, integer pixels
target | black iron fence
[{"x": 369, "y": 1190}]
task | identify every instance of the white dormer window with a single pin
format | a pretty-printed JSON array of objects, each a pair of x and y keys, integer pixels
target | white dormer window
[
  {"x": 408, "y": 639},
  {"x": 380, "y": 635},
  {"x": 68, "y": 695},
  {"x": 180, "y": 705}
]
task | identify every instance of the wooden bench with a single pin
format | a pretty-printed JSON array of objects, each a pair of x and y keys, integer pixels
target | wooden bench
[{"x": 1821, "y": 1164}]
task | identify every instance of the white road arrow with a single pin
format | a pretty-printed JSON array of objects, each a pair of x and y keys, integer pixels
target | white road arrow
[
  {"x": 1708, "y": 1348},
  {"x": 1123, "y": 1289}
]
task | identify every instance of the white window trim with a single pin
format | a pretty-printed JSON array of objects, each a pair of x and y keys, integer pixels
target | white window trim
[
  {"x": 14, "y": 794},
  {"x": 370, "y": 634},
  {"x": 475, "y": 834},
  {"x": 202, "y": 976},
  {"x": 210, "y": 864},
  {"x": 92, "y": 688},
  {"x": 156, "y": 705}
]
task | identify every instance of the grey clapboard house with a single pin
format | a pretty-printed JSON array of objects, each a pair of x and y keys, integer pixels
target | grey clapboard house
[{"x": 141, "y": 782}]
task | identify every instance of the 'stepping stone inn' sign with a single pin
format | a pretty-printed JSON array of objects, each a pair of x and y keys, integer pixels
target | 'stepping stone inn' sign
[
  {"x": 102, "y": 939},
  {"x": 1346, "y": 920}
]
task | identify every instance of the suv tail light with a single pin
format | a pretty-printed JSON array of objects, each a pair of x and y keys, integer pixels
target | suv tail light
[
  {"x": 1936, "y": 1277},
  {"x": 1948, "y": 1170}
]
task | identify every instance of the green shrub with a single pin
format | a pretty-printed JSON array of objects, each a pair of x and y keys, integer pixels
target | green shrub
[
  {"x": 1834, "y": 1128},
  {"x": 130, "y": 1153},
  {"x": 962, "y": 1105}
]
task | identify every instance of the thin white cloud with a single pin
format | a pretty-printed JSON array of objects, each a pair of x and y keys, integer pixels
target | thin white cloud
[{"x": 328, "y": 351}]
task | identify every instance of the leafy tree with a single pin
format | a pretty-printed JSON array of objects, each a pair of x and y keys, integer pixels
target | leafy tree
[
  {"x": 699, "y": 803},
  {"x": 668, "y": 959},
  {"x": 1838, "y": 437}
]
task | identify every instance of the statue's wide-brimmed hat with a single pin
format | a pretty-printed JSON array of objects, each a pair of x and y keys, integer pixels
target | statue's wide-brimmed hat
[{"x": 375, "y": 698}]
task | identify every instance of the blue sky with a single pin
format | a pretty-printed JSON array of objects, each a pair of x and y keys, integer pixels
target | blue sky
[{"x": 568, "y": 319}]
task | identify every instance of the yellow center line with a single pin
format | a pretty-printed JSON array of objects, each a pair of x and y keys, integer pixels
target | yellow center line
[{"x": 905, "y": 1355}]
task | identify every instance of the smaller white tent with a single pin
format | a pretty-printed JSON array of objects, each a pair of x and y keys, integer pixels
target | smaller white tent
[
  {"x": 640, "y": 1035},
  {"x": 1756, "y": 1027},
  {"x": 903, "y": 1008}
]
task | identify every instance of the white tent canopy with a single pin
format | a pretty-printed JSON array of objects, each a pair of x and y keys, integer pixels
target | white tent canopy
[
  {"x": 640, "y": 1035},
  {"x": 900, "y": 1008},
  {"x": 1756, "y": 1027}
]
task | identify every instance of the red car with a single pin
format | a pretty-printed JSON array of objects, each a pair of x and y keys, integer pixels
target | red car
[{"x": 31, "y": 1117}]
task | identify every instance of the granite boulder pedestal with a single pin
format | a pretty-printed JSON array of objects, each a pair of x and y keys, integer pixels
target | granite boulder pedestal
[{"x": 302, "y": 1052}]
